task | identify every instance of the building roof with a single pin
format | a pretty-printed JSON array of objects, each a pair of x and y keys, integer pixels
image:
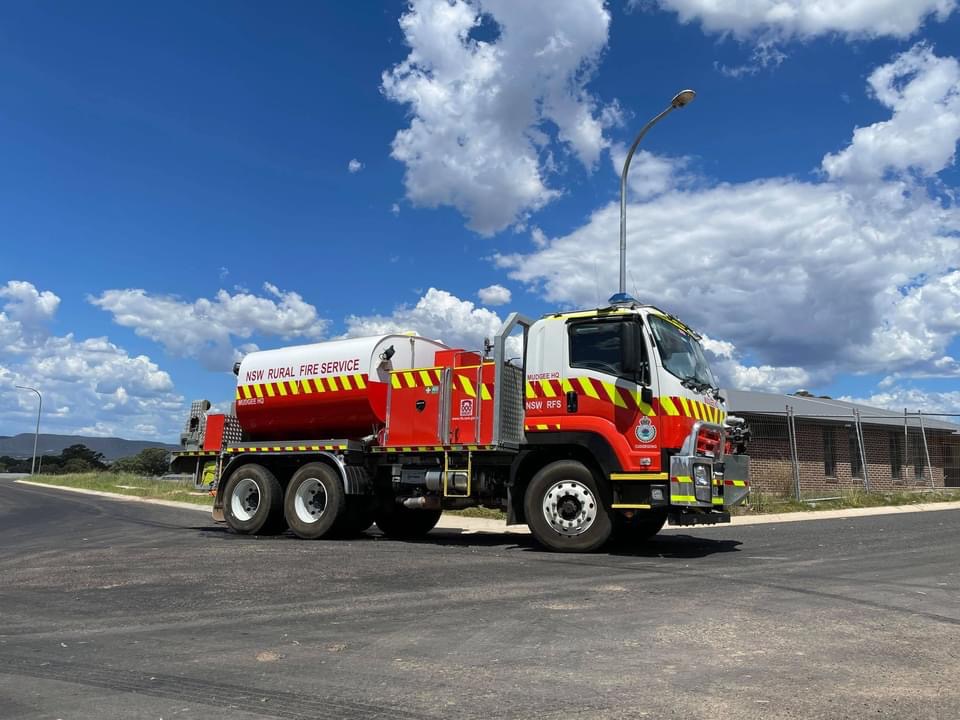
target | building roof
[{"x": 825, "y": 409}]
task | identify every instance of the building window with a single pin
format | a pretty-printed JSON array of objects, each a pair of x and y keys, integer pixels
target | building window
[
  {"x": 856, "y": 466},
  {"x": 896, "y": 456},
  {"x": 829, "y": 452},
  {"x": 919, "y": 455}
]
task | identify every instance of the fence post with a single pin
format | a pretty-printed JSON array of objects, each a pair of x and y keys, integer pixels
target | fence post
[
  {"x": 861, "y": 449},
  {"x": 926, "y": 450},
  {"x": 794, "y": 455}
]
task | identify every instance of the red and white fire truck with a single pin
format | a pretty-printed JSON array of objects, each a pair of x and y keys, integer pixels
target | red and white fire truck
[{"x": 608, "y": 421}]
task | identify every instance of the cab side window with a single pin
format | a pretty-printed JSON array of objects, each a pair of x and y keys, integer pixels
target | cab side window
[{"x": 596, "y": 346}]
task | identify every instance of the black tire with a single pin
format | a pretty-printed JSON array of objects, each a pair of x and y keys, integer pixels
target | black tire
[
  {"x": 315, "y": 505},
  {"x": 406, "y": 524},
  {"x": 641, "y": 527},
  {"x": 583, "y": 505},
  {"x": 253, "y": 501},
  {"x": 359, "y": 515}
]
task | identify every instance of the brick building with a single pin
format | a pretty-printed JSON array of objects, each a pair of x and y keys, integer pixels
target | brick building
[{"x": 829, "y": 455}]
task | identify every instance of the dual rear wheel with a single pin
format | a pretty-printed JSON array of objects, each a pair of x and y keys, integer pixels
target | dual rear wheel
[{"x": 314, "y": 504}]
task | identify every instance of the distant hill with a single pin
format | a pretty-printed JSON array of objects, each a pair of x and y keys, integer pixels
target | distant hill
[{"x": 21, "y": 446}]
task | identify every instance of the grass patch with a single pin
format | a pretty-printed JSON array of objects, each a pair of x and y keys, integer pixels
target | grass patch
[
  {"x": 479, "y": 512},
  {"x": 761, "y": 503},
  {"x": 126, "y": 484}
]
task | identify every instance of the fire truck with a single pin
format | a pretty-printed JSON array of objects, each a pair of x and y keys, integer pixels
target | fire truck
[{"x": 606, "y": 422}]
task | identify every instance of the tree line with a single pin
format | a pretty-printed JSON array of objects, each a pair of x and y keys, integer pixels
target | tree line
[{"x": 150, "y": 462}]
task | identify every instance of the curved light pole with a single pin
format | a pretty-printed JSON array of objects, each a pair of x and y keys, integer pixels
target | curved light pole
[
  {"x": 36, "y": 435},
  {"x": 681, "y": 99}
]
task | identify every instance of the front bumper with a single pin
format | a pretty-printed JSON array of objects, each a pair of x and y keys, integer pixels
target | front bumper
[{"x": 703, "y": 483}]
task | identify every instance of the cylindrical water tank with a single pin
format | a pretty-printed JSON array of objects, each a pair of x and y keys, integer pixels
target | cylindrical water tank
[{"x": 328, "y": 390}]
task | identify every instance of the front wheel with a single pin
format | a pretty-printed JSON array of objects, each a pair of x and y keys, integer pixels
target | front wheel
[{"x": 565, "y": 510}]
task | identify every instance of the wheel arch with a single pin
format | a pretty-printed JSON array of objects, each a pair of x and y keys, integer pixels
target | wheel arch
[{"x": 588, "y": 448}]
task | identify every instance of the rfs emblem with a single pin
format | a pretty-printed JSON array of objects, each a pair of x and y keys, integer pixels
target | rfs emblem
[
  {"x": 645, "y": 431},
  {"x": 466, "y": 408}
]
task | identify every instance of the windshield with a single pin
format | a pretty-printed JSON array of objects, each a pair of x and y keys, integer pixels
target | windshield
[{"x": 681, "y": 353}]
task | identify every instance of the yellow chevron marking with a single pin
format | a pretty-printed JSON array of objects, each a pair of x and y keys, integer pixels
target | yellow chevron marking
[
  {"x": 238, "y": 394},
  {"x": 467, "y": 386},
  {"x": 614, "y": 395},
  {"x": 547, "y": 388},
  {"x": 686, "y": 406},
  {"x": 530, "y": 391},
  {"x": 682, "y": 479},
  {"x": 276, "y": 449},
  {"x": 566, "y": 386},
  {"x": 409, "y": 379},
  {"x": 425, "y": 376},
  {"x": 541, "y": 427},
  {"x": 718, "y": 501},
  {"x": 641, "y": 405},
  {"x": 294, "y": 387},
  {"x": 485, "y": 392},
  {"x": 588, "y": 388},
  {"x": 307, "y": 386},
  {"x": 395, "y": 380},
  {"x": 360, "y": 382},
  {"x": 345, "y": 381},
  {"x": 282, "y": 387},
  {"x": 270, "y": 392},
  {"x": 258, "y": 390},
  {"x": 668, "y": 407},
  {"x": 314, "y": 447}
]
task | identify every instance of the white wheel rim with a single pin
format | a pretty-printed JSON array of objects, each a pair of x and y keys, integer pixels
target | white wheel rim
[
  {"x": 310, "y": 501},
  {"x": 245, "y": 499},
  {"x": 569, "y": 507}
]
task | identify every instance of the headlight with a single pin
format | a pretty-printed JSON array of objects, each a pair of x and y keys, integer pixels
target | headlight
[{"x": 701, "y": 475}]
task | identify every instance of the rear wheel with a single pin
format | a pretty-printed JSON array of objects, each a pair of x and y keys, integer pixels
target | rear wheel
[
  {"x": 404, "y": 523},
  {"x": 565, "y": 510},
  {"x": 253, "y": 501},
  {"x": 315, "y": 504}
]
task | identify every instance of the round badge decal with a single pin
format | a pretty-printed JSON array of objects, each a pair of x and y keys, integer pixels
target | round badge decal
[{"x": 645, "y": 431}]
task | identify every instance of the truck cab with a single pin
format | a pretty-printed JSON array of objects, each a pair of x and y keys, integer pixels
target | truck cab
[{"x": 631, "y": 383}]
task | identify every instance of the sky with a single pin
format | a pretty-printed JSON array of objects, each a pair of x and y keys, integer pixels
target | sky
[{"x": 184, "y": 182}]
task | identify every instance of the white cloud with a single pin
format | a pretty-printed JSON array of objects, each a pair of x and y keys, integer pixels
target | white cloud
[
  {"x": 808, "y": 18},
  {"x": 913, "y": 399},
  {"x": 923, "y": 93},
  {"x": 494, "y": 295},
  {"x": 88, "y": 386},
  {"x": 354, "y": 166},
  {"x": 802, "y": 277},
  {"x": 25, "y": 315},
  {"x": 482, "y": 109},
  {"x": 437, "y": 315},
  {"x": 395, "y": 209},
  {"x": 651, "y": 174},
  {"x": 205, "y": 328}
]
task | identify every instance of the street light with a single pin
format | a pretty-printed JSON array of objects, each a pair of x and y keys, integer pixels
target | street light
[
  {"x": 36, "y": 435},
  {"x": 681, "y": 99}
]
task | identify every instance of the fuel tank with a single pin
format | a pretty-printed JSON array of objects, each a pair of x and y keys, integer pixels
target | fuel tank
[{"x": 335, "y": 389}]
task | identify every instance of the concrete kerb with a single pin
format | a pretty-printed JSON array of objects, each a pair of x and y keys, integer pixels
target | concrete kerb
[{"x": 478, "y": 525}]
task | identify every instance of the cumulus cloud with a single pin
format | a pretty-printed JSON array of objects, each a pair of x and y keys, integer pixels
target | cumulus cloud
[
  {"x": 652, "y": 174},
  {"x": 494, "y": 295},
  {"x": 354, "y": 166},
  {"x": 205, "y": 328},
  {"x": 829, "y": 276},
  {"x": 483, "y": 108},
  {"x": 438, "y": 315},
  {"x": 89, "y": 386},
  {"x": 913, "y": 399},
  {"x": 922, "y": 92},
  {"x": 808, "y": 18}
]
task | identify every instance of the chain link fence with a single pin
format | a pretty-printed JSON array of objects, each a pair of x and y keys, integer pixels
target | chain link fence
[{"x": 819, "y": 457}]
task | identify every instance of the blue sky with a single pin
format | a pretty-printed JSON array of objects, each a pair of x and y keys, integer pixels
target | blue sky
[{"x": 184, "y": 182}]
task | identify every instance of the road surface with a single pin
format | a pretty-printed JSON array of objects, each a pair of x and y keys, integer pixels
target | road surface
[{"x": 121, "y": 610}]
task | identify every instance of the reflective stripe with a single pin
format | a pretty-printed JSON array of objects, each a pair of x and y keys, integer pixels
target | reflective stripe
[
  {"x": 639, "y": 476},
  {"x": 624, "y": 506},
  {"x": 467, "y": 386},
  {"x": 668, "y": 407}
]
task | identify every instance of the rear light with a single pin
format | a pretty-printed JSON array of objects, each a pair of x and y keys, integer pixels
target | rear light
[{"x": 708, "y": 442}]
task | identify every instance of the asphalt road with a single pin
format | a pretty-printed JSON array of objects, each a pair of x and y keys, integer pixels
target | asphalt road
[{"x": 121, "y": 610}]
